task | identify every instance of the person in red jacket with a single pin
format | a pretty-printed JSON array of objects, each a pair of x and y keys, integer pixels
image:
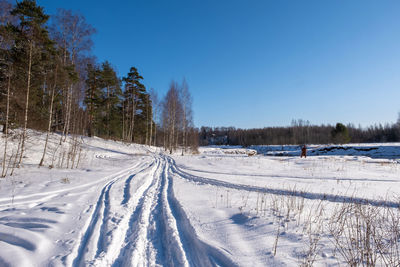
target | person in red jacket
[{"x": 304, "y": 152}]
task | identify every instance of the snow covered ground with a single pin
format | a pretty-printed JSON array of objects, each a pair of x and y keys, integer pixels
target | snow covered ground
[{"x": 132, "y": 205}]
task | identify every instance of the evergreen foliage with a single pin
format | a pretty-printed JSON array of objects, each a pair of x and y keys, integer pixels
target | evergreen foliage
[
  {"x": 57, "y": 84},
  {"x": 92, "y": 96},
  {"x": 52, "y": 83},
  {"x": 340, "y": 135},
  {"x": 110, "y": 115},
  {"x": 135, "y": 106}
]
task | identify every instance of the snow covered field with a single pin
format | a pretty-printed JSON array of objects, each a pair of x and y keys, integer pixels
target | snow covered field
[{"x": 132, "y": 205}]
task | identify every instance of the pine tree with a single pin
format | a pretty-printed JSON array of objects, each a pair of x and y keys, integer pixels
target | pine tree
[
  {"x": 92, "y": 95},
  {"x": 133, "y": 98},
  {"x": 32, "y": 46},
  {"x": 340, "y": 134},
  {"x": 111, "y": 93}
]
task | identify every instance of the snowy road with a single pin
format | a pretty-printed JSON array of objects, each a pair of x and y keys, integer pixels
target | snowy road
[{"x": 146, "y": 228}]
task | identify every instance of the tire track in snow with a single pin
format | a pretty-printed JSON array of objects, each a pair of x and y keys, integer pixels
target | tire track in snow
[
  {"x": 154, "y": 238},
  {"x": 293, "y": 176},
  {"x": 46, "y": 196},
  {"x": 127, "y": 194},
  {"x": 110, "y": 252},
  {"x": 91, "y": 227},
  {"x": 127, "y": 186},
  {"x": 161, "y": 234},
  {"x": 198, "y": 252},
  {"x": 153, "y": 231},
  {"x": 133, "y": 251},
  {"x": 96, "y": 221},
  {"x": 306, "y": 195},
  {"x": 165, "y": 237},
  {"x": 102, "y": 242}
]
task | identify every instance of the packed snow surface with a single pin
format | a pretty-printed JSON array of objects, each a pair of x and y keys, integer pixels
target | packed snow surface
[{"x": 134, "y": 205}]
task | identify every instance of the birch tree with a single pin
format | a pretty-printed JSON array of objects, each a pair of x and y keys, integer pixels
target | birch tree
[
  {"x": 73, "y": 35},
  {"x": 154, "y": 115},
  {"x": 177, "y": 118},
  {"x": 172, "y": 108},
  {"x": 6, "y": 71},
  {"x": 53, "y": 90},
  {"x": 187, "y": 113},
  {"x": 5, "y": 130}
]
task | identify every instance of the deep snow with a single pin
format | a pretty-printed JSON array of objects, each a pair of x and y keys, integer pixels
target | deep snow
[{"x": 133, "y": 205}]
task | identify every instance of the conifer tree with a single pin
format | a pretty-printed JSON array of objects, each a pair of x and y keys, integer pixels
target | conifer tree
[
  {"x": 340, "y": 134},
  {"x": 92, "y": 95},
  {"x": 32, "y": 43},
  {"x": 133, "y": 96},
  {"x": 111, "y": 99}
]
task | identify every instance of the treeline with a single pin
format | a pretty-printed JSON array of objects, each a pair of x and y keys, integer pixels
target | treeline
[
  {"x": 50, "y": 81},
  {"x": 300, "y": 132},
  {"x": 176, "y": 122}
]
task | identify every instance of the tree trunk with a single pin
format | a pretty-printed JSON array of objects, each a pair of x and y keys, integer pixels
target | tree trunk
[
  {"x": 171, "y": 137},
  {"x": 176, "y": 139},
  {"x": 16, "y": 156},
  {"x": 89, "y": 128},
  {"x": 68, "y": 123},
  {"x": 147, "y": 121},
  {"x": 26, "y": 102},
  {"x": 4, "y": 173},
  {"x": 90, "y": 117},
  {"x": 132, "y": 119},
  {"x": 50, "y": 117},
  {"x": 65, "y": 115},
  {"x": 164, "y": 139},
  {"x": 184, "y": 128},
  {"x": 151, "y": 127},
  {"x": 108, "y": 112},
  {"x": 123, "y": 120},
  {"x": 155, "y": 129},
  {"x": 127, "y": 122},
  {"x": 69, "y": 104},
  {"x": 74, "y": 120}
]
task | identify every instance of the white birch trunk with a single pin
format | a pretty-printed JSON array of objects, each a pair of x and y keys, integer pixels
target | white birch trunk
[
  {"x": 4, "y": 173},
  {"x": 50, "y": 117},
  {"x": 26, "y": 102}
]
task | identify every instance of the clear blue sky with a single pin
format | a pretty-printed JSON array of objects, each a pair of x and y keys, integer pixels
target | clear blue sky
[{"x": 258, "y": 63}]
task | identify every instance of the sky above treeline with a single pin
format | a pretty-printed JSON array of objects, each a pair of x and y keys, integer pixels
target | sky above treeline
[{"x": 252, "y": 64}]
